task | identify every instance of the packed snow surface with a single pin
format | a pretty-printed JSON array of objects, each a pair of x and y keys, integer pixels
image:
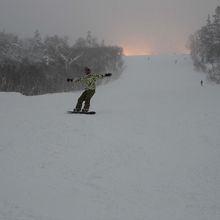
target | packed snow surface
[{"x": 152, "y": 151}]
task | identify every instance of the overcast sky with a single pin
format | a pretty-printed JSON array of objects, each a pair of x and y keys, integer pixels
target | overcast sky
[{"x": 139, "y": 26}]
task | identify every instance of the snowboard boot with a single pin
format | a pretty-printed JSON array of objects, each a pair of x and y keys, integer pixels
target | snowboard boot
[
  {"x": 76, "y": 110},
  {"x": 85, "y": 110}
]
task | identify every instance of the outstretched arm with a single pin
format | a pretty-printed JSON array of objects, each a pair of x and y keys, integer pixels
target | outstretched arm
[{"x": 100, "y": 76}]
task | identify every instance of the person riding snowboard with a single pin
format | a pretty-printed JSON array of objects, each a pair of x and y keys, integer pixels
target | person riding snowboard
[{"x": 89, "y": 80}]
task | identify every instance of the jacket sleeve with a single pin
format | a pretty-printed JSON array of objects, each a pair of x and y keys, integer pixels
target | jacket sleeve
[
  {"x": 99, "y": 76},
  {"x": 81, "y": 79}
]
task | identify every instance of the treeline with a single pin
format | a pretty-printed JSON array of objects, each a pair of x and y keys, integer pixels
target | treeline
[
  {"x": 205, "y": 47},
  {"x": 34, "y": 66}
]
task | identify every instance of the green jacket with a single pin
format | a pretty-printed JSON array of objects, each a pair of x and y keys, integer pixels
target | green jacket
[{"x": 90, "y": 80}]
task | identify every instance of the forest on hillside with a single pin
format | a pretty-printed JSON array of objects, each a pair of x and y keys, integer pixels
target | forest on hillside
[
  {"x": 37, "y": 65},
  {"x": 204, "y": 45}
]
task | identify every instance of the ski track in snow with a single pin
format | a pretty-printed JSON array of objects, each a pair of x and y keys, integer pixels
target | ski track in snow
[{"x": 151, "y": 152}]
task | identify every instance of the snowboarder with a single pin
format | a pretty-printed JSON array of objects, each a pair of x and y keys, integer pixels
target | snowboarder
[
  {"x": 89, "y": 80},
  {"x": 201, "y": 82}
]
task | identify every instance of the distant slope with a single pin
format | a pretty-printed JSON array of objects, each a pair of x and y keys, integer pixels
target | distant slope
[{"x": 151, "y": 151}]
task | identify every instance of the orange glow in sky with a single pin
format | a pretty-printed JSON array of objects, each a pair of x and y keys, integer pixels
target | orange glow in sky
[
  {"x": 138, "y": 51},
  {"x": 135, "y": 51}
]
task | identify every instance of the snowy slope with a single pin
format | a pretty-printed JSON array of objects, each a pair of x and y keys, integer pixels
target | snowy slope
[{"x": 150, "y": 153}]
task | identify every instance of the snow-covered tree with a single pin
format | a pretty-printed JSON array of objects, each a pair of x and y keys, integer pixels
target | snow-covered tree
[
  {"x": 205, "y": 46},
  {"x": 35, "y": 65}
]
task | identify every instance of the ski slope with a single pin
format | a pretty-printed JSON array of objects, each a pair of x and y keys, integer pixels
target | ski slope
[{"x": 150, "y": 153}]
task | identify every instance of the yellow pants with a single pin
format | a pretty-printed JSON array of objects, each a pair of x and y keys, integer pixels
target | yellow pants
[{"x": 85, "y": 97}]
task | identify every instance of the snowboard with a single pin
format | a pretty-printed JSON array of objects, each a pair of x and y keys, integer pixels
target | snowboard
[{"x": 85, "y": 113}]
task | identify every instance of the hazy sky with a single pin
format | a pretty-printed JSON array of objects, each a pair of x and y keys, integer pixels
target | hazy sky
[{"x": 139, "y": 26}]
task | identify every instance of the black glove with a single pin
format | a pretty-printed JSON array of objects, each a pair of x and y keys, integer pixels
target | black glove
[
  {"x": 69, "y": 80},
  {"x": 108, "y": 74}
]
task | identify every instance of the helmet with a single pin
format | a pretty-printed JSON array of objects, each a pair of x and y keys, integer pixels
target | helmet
[{"x": 87, "y": 70}]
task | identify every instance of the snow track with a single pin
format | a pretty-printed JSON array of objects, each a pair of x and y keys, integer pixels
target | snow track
[{"x": 151, "y": 152}]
